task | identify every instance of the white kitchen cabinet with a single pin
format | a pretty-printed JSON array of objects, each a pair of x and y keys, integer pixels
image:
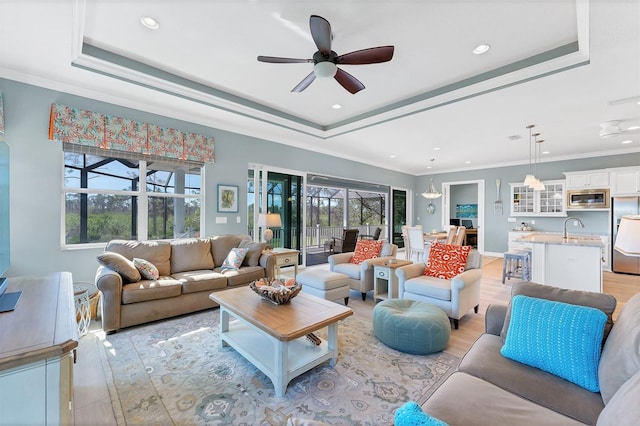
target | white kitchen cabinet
[
  {"x": 548, "y": 202},
  {"x": 587, "y": 179},
  {"x": 625, "y": 181}
]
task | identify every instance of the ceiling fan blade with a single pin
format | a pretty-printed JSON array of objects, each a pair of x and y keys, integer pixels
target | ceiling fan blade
[
  {"x": 304, "y": 83},
  {"x": 277, "y": 60},
  {"x": 321, "y": 33},
  {"x": 348, "y": 81},
  {"x": 373, "y": 55}
]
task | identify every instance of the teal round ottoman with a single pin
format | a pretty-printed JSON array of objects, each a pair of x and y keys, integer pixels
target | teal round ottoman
[{"x": 412, "y": 327}]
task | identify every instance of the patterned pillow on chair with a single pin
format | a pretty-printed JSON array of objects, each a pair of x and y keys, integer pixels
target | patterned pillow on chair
[
  {"x": 365, "y": 250},
  {"x": 446, "y": 260}
]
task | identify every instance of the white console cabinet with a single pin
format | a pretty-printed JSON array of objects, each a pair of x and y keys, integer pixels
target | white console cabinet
[{"x": 37, "y": 344}]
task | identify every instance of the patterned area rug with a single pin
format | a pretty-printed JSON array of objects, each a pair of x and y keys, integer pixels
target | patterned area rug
[{"x": 176, "y": 372}]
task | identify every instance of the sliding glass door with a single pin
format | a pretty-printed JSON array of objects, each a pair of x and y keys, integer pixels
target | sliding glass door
[{"x": 399, "y": 215}]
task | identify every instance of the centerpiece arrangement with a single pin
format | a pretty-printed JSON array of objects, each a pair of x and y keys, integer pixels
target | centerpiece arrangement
[{"x": 276, "y": 290}]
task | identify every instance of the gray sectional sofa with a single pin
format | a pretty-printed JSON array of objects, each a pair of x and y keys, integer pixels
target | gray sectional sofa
[
  {"x": 189, "y": 271},
  {"x": 490, "y": 389}
]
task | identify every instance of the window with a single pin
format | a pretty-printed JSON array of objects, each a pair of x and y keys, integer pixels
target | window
[{"x": 105, "y": 200}]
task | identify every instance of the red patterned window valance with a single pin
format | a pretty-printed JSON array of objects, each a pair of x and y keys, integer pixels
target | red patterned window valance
[{"x": 83, "y": 127}]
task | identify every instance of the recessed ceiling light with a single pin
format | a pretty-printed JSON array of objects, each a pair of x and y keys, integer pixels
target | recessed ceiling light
[
  {"x": 467, "y": 162},
  {"x": 336, "y": 106},
  {"x": 627, "y": 141},
  {"x": 150, "y": 23},
  {"x": 436, "y": 149},
  {"x": 428, "y": 167},
  {"x": 392, "y": 156},
  {"x": 633, "y": 128},
  {"x": 481, "y": 48},
  {"x": 546, "y": 152}
]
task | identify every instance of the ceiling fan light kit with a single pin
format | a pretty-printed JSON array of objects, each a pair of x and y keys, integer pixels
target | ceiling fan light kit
[{"x": 326, "y": 60}]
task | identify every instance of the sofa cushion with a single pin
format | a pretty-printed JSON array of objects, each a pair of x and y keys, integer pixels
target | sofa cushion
[
  {"x": 560, "y": 338},
  {"x": 410, "y": 414},
  {"x": 200, "y": 280},
  {"x": 365, "y": 250},
  {"x": 147, "y": 269},
  {"x": 606, "y": 303},
  {"x": 467, "y": 400},
  {"x": 623, "y": 407},
  {"x": 485, "y": 361},
  {"x": 190, "y": 255},
  {"x": 423, "y": 285},
  {"x": 242, "y": 276},
  {"x": 156, "y": 252},
  {"x": 255, "y": 251},
  {"x": 446, "y": 260},
  {"x": 234, "y": 259},
  {"x": 621, "y": 354},
  {"x": 221, "y": 245},
  {"x": 145, "y": 290},
  {"x": 121, "y": 265}
]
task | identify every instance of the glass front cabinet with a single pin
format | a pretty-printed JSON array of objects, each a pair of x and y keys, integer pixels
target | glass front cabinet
[{"x": 548, "y": 202}]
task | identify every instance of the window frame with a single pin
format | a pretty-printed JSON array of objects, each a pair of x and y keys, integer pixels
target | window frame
[{"x": 142, "y": 195}]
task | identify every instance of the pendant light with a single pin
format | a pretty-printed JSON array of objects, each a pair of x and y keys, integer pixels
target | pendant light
[
  {"x": 431, "y": 191},
  {"x": 538, "y": 186},
  {"x": 530, "y": 179}
]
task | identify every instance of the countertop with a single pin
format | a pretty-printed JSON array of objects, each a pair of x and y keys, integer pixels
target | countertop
[{"x": 556, "y": 238}]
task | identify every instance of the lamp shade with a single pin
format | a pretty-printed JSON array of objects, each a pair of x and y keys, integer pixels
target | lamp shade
[
  {"x": 628, "y": 238},
  {"x": 269, "y": 220}
]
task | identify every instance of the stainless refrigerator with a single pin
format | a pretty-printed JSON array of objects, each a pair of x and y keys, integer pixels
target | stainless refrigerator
[{"x": 623, "y": 206}]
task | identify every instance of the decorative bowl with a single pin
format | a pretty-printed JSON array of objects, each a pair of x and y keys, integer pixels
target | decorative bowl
[{"x": 275, "y": 290}]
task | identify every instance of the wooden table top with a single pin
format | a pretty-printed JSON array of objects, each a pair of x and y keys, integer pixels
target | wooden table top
[
  {"x": 396, "y": 264},
  {"x": 302, "y": 315},
  {"x": 43, "y": 325}
]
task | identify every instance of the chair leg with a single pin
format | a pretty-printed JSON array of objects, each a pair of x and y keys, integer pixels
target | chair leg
[
  {"x": 364, "y": 296},
  {"x": 346, "y": 301},
  {"x": 455, "y": 323},
  {"x": 475, "y": 309}
]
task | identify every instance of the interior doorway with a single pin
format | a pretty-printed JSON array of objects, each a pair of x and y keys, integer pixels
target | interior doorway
[{"x": 465, "y": 201}]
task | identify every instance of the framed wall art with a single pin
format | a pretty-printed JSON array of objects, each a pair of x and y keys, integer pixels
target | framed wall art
[{"x": 227, "y": 198}]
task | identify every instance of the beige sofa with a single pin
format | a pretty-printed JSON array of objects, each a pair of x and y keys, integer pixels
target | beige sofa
[
  {"x": 189, "y": 272},
  {"x": 490, "y": 389}
]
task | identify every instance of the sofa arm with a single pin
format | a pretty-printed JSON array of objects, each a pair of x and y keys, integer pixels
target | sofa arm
[
  {"x": 494, "y": 319},
  {"x": 338, "y": 258},
  {"x": 466, "y": 279},
  {"x": 268, "y": 262},
  {"x": 405, "y": 273},
  {"x": 109, "y": 282}
]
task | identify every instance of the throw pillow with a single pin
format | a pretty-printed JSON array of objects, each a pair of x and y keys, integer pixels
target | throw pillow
[
  {"x": 147, "y": 269},
  {"x": 410, "y": 414},
  {"x": 365, "y": 250},
  {"x": 255, "y": 251},
  {"x": 559, "y": 338},
  {"x": 446, "y": 260},
  {"x": 121, "y": 265},
  {"x": 234, "y": 259}
]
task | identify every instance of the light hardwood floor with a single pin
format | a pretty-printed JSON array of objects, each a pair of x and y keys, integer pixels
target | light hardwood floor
[{"x": 91, "y": 394}]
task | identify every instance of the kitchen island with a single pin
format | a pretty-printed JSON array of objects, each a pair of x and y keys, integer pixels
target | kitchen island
[{"x": 573, "y": 263}]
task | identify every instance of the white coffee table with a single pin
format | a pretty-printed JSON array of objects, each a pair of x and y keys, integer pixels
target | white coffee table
[{"x": 272, "y": 337}]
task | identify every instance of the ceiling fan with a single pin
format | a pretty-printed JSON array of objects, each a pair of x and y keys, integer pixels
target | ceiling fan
[
  {"x": 326, "y": 60},
  {"x": 613, "y": 128}
]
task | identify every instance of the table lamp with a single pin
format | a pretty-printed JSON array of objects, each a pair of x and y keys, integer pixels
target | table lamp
[
  {"x": 628, "y": 238},
  {"x": 267, "y": 221}
]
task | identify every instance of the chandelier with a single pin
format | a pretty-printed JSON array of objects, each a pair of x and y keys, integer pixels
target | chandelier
[{"x": 530, "y": 179}]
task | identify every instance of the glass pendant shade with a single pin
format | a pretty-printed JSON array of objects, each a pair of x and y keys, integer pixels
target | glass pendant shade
[
  {"x": 431, "y": 192},
  {"x": 538, "y": 185},
  {"x": 529, "y": 180}
]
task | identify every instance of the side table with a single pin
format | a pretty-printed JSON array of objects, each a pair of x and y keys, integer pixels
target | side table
[
  {"x": 385, "y": 282},
  {"x": 284, "y": 257}
]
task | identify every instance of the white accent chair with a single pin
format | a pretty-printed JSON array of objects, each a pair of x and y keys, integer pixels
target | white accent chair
[
  {"x": 361, "y": 276},
  {"x": 455, "y": 297}
]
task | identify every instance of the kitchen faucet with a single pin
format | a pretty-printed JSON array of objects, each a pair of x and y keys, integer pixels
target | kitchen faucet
[{"x": 565, "y": 235}]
